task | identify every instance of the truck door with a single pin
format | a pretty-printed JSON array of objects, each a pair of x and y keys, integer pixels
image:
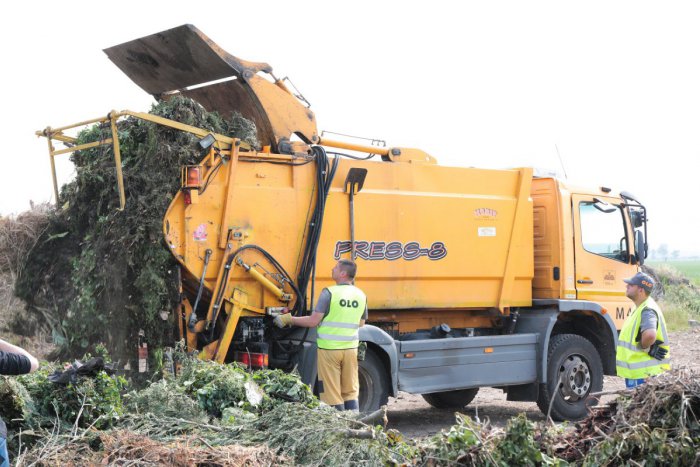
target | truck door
[{"x": 602, "y": 253}]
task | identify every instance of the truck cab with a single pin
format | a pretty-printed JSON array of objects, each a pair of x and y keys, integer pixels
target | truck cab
[{"x": 585, "y": 242}]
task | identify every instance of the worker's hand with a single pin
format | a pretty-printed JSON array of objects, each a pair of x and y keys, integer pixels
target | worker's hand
[
  {"x": 284, "y": 320},
  {"x": 656, "y": 351}
]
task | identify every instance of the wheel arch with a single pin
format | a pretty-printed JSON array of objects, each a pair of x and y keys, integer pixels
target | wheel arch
[
  {"x": 586, "y": 319},
  {"x": 384, "y": 347},
  {"x": 593, "y": 328}
]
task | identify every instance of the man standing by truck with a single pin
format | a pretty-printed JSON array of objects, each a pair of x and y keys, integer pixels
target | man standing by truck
[
  {"x": 13, "y": 361},
  {"x": 340, "y": 311},
  {"x": 642, "y": 346}
]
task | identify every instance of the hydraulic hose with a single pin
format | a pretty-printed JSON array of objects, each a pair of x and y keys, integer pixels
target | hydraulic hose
[
  {"x": 227, "y": 269},
  {"x": 325, "y": 171}
]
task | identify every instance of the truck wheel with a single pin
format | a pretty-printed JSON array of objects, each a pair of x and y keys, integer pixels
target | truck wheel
[
  {"x": 574, "y": 371},
  {"x": 451, "y": 399},
  {"x": 374, "y": 383}
]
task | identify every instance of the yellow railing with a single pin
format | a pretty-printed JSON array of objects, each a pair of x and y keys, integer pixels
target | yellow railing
[{"x": 222, "y": 142}]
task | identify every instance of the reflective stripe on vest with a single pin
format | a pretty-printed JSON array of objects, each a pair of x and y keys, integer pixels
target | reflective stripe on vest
[
  {"x": 632, "y": 361},
  {"x": 339, "y": 329}
]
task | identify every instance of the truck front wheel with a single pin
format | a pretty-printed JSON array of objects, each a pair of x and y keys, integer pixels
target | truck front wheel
[
  {"x": 374, "y": 382},
  {"x": 451, "y": 399},
  {"x": 574, "y": 371}
]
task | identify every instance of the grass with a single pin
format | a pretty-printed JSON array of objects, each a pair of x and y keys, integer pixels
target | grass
[
  {"x": 676, "y": 316},
  {"x": 689, "y": 268},
  {"x": 681, "y": 298}
]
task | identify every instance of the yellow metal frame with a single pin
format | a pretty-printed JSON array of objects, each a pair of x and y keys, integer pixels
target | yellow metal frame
[
  {"x": 224, "y": 143},
  {"x": 392, "y": 154}
]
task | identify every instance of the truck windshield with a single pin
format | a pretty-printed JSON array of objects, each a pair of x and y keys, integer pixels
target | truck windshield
[{"x": 603, "y": 232}]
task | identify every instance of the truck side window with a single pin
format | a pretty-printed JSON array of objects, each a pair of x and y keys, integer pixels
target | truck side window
[{"x": 603, "y": 233}]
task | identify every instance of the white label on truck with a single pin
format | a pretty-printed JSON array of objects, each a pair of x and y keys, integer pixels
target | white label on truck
[{"x": 487, "y": 231}]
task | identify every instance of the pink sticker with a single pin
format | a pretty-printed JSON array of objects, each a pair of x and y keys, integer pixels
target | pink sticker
[{"x": 200, "y": 233}]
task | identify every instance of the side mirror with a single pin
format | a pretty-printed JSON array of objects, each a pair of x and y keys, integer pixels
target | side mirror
[
  {"x": 637, "y": 217},
  {"x": 639, "y": 247}
]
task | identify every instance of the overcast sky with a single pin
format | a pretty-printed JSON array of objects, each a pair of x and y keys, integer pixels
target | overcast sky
[{"x": 614, "y": 85}]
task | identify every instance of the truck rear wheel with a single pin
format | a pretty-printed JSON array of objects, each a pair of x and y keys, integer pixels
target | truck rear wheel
[
  {"x": 374, "y": 382},
  {"x": 451, "y": 399},
  {"x": 574, "y": 371}
]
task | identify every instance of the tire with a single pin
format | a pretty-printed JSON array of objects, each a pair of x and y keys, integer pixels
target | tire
[
  {"x": 374, "y": 382},
  {"x": 576, "y": 361},
  {"x": 451, "y": 399}
]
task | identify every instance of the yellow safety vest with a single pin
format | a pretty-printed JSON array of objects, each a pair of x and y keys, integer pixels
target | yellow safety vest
[
  {"x": 632, "y": 361},
  {"x": 339, "y": 329}
]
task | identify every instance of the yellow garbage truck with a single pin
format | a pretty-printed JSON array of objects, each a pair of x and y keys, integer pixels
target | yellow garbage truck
[{"x": 474, "y": 277}]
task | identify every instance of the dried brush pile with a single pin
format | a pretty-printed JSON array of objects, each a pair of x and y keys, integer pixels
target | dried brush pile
[
  {"x": 124, "y": 447},
  {"x": 18, "y": 236},
  {"x": 656, "y": 424}
]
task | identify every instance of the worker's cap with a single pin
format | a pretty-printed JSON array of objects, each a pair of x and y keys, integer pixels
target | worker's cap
[{"x": 642, "y": 280}]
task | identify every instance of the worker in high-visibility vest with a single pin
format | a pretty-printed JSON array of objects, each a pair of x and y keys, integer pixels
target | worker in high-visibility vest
[
  {"x": 339, "y": 313},
  {"x": 642, "y": 346}
]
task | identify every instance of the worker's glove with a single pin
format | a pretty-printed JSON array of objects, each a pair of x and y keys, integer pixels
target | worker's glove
[
  {"x": 284, "y": 320},
  {"x": 361, "y": 351},
  {"x": 657, "y": 351}
]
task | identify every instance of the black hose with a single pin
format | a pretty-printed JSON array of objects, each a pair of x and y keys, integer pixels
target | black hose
[{"x": 325, "y": 171}]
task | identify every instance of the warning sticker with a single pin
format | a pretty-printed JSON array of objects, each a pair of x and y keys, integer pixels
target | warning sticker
[{"x": 200, "y": 233}]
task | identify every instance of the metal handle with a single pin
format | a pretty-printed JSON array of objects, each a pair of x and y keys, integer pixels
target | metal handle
[
  {"x": 193, "y": 315},
  {"x": 581, "y": 281}
]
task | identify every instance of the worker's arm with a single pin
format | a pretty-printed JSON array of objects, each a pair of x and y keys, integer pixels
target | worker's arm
[
  {"x": 13, "y": 349},
  {"x": 364, "y": 317},
  {"x": 648, "y": 338},
  {"x": 310, "y": 321},
  {"x": 648, "y": 328}
]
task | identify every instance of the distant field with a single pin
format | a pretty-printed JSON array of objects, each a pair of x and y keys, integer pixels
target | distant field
[{"x": 690, "y": 268}]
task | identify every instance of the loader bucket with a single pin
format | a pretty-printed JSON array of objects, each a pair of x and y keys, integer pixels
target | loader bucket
[{"x": 184, "y": 61}]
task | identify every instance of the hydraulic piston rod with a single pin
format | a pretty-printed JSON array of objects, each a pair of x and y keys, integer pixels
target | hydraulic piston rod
[{"x": 276, "y": 291}]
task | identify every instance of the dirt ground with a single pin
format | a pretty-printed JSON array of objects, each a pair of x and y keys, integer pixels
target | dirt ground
[{"x": 411, "y": 415}]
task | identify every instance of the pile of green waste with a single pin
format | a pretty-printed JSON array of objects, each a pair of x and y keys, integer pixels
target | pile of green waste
[
  {"x": 207, "y": 413},
  {"x": 212, "y": 414},
  {"x": 101, "y": 274}
]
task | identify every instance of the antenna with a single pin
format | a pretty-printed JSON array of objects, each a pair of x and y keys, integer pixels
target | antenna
[{"x": 566, "y": 177}]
